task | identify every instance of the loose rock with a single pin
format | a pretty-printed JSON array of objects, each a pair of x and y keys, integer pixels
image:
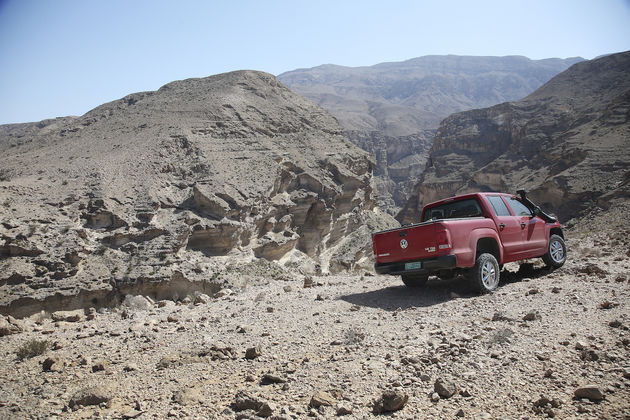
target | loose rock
[
  {"x": 93, "y": 395},
  {"x": 591, "y": 392},
  {"x": 322, "y": 398},
  {"x": 53, "y": 364},
  {"x": 9, "y": 325},
  {"x": 244, "y": 401},
  {"x": 531, "y": 316},
  {"x": 68, "y": 316},
  {"x": 445, "y": 388},
  {"x": 188, "y": 395},
  {"x": 253, "y": 352},
  {"x": 392, "y": 400}
]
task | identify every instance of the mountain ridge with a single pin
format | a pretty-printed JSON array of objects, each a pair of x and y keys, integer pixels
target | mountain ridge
[
  {"x": 567, "y": 143},
  {"x": 382, "y": 107},
  {"x": 158, "y": 192}
]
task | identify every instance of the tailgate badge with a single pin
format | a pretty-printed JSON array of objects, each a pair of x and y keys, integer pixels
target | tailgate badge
[
  {"x": 403, "y": 243},
  {"x": 430, "y": 249}
]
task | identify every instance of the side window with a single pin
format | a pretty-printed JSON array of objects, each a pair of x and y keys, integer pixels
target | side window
[
  {"x": 519, "y": 208},
  {"x": 500, "y": 209}
]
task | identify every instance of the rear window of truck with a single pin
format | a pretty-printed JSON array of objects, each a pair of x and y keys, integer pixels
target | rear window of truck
[{"x": 454, "y": 210}]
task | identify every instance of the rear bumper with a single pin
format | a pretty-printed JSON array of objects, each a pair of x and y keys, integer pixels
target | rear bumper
[{"x": 444, "y": 262}]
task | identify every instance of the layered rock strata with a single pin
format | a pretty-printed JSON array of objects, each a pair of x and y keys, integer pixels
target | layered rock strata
[
  {"x": 568, "y": 144},
  {"x": 393, "y": 109},
  {"x": 157, "y": 192}
]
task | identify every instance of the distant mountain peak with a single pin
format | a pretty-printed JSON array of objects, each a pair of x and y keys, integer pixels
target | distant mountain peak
[{"x": 392, "y": 109}]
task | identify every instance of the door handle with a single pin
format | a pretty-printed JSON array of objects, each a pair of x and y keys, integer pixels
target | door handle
[
  {"x": 523, "y": 225},
  {"x": 502, "y": 226}
]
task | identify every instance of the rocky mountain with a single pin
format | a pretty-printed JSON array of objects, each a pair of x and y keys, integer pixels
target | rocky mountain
[
  {"x": 158, "y": 192},
  {"x": 568, "y": 144},
  {"x": 392, "y": 110}
]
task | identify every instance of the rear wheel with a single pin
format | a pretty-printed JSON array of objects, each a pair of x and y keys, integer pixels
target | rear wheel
[
  {"x": 485, "y": 274},
  {"x": 556, "y": 252},
  {"x": 414, "y": 280}
]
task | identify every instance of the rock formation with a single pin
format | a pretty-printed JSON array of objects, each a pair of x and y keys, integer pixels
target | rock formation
[
  {"x": 392, "y": 110},
  {"x": 156, "y": 192},
  {"x": 567, "y": 144}
]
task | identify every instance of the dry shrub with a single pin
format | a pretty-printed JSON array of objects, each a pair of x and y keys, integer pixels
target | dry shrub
[{"x": 32, "y": 348}]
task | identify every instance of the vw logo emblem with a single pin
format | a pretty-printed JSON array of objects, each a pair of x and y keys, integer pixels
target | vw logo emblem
[{"x": 403, "y": 243}]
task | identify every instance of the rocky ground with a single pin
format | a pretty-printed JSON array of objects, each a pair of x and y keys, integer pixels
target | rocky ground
[{"x": 546, "y": 344}]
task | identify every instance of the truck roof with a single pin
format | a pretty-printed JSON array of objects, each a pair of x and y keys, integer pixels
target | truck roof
[{"x": 465, "y": 196}]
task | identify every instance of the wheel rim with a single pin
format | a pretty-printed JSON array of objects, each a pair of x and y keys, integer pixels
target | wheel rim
[
  {"x": 489, "y": 275},
  {"x": 556, "y": 251}
]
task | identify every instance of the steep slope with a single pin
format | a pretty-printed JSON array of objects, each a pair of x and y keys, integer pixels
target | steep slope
[
  {"x": 393, "y": 109},
  {"x": 567, "y": 143},
  {"x": 156, "y": 192}
]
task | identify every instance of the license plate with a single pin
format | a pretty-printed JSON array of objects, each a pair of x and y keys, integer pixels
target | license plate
[{"x": 413, "y": 265}]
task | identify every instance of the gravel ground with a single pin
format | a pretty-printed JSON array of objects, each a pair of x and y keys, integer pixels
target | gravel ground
[{"x": 282, "y": 350}]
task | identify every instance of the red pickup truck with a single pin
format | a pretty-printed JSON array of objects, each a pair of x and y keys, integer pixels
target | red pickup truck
[{"x": 472, "y": 234}]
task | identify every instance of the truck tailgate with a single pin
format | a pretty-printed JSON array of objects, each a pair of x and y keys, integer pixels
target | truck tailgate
[{"x": 407, "y": 243}]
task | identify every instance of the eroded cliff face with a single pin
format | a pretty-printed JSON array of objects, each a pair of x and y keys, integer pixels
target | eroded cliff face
[
  {"x": 393, "y": 110},
  {"x": 567, "y": 144},
  {"x": 157, "y": 192}
]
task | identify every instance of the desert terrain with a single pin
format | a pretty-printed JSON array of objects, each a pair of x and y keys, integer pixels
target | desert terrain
[
  {"x": 290, "y": 346},
  {"x": 203, "y": 251}
]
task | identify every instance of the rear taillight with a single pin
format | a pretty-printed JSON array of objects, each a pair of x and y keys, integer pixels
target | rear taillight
[{"x": 443, "y": 240}]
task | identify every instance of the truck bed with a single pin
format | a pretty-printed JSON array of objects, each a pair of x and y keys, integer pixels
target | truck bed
[{"x": 421, "y": 240}]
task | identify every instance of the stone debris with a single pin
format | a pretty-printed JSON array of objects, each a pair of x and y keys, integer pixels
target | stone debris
[
  {"x": 500, "y": 316},
  {"x": 53, "y": 364},
  {"x": 201, "y": 298},
  {"x": 445, "y": 388},
  {"x": 322, "y": 398},
  {"x": 590, "y": 392},
  {"x": 244, "y": 401},
  {"x": 272, "y": 378},
  {"x": 197, "y": 372},
  {"x": 608, "y": 305},
  {"x": 344, "y": 409},
  {"x": 10, "y": 325},
  {"x": 545, "y": 405},
  {"x": 92, "y": 395},
  {"x": 99, "y": 366},
  {"x": 132, "y": 414},
  {"x": 253, "y": 352},
  {"x": 204, "y": 355},
  {"x": 532, "y": 316},
  {"x": 391, "y": 400},
  {"x": 266, "y": 410},
  {"x": 90, "y": 314},
  {"x": 188, "y": 395},
  {"x": 223, "y": 293},
  {"x": 138, "y": 303},
  {"x": 68, "y": 316}
]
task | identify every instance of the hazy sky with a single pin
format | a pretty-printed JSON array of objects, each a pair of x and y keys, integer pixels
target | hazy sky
[{"x": 64, "y": 57}]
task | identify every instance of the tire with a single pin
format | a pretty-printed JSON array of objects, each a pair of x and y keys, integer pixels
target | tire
[
  {"x": 556, "y": 252},
  {"x": 414, "y": 280},
  {"x": 485, "y": 274}
]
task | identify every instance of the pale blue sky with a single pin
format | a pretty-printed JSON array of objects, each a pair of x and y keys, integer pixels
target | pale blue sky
[{"x": 64, "y": 57}]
